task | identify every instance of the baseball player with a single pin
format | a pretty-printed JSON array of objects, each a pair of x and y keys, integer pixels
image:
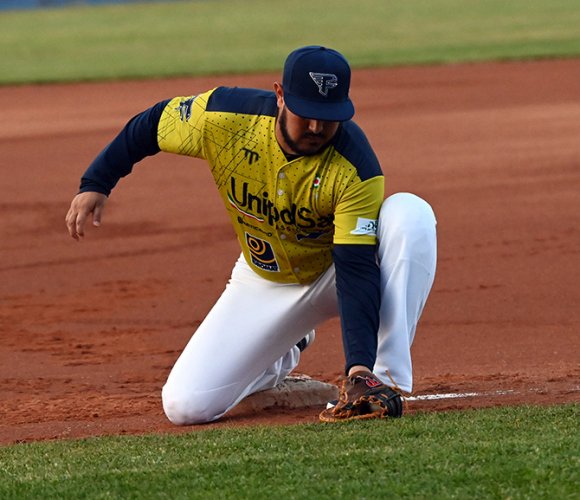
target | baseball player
[{"x": 305, "y": 194}]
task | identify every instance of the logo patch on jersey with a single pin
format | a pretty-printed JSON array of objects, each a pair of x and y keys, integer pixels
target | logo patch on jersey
[
  {"x": 249, "y": 202},
  {"x": 324, "y": 82},
  {"x": 250, "y": 155},
  {"x": 261, "y": 254},
  {"x": 184, "y": 109},
  {"x": 365, "y": 226}
]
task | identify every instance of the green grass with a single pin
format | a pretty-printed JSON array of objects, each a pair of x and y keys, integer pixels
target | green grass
[
  {"x": 523, "y": 452},
  {"x": 227, "y": 36}
]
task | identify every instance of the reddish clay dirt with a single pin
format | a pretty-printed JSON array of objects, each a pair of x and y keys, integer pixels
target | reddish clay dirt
[{"x": 89, "y": 331}]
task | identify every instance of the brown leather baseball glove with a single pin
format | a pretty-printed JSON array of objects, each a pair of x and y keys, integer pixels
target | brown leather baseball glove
[{"x": 364, "y": 396}]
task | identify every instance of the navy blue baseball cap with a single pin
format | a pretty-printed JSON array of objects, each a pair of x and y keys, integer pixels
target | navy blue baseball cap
[{"x": 316, "y": 82}]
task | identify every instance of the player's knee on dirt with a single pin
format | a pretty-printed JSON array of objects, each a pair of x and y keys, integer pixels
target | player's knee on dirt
[{"x": 190, "y": 408}]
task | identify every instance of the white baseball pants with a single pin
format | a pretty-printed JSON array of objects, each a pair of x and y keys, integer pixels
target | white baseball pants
[{"x": 247, "y": 341}]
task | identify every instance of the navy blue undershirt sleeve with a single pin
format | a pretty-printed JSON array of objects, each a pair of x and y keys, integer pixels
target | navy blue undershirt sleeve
[
  {"x": 358, "y": 289},
  {"x": 137, "y": 140}
]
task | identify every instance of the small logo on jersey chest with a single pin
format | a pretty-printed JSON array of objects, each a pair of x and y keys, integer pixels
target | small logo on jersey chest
[{"x": 250, "y": 155}]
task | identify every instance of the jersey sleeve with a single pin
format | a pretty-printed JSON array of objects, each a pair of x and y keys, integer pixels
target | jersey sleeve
[
  {"x": 358, "y": 291},
  {"x": 356, "y": 214},
  {"x": 173, "y": 125},
  {"x": 181, "y": 126},
  {"x": 357, "y": 272}
]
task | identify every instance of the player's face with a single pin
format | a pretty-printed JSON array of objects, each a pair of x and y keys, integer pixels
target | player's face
[{"x": 302, "y": 136}]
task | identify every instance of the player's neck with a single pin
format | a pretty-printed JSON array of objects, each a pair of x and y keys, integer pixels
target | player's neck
[{"x": 284, "y": 146}]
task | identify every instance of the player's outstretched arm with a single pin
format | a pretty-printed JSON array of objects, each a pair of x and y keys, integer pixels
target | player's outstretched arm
[{"x": 81, "y": 207}]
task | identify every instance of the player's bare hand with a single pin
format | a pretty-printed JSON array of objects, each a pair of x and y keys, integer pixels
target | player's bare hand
[{"x": 81, "y": 208}]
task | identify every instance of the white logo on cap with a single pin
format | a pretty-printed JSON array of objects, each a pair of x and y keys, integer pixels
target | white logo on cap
[{"x": 324, "y": 81}]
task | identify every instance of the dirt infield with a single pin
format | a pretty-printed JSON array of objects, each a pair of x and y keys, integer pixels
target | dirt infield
[{"x": 89, "y": 331}]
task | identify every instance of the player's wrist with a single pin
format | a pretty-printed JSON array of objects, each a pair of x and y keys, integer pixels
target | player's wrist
[{"x": 358, "y": 369}]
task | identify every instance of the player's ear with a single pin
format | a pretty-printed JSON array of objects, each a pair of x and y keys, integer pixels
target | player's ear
[{"x": 279, "y": 94}]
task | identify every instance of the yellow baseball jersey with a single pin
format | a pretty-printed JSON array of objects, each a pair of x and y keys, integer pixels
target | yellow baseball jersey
[{"x": 287, "y": 213}]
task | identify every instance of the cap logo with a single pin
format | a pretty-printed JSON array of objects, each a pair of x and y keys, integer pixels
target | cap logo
[{"x": 324, "y": 82}]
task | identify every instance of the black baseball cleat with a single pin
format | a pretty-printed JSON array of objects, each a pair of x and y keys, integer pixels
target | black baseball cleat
[{"x": 306, "y": 341}]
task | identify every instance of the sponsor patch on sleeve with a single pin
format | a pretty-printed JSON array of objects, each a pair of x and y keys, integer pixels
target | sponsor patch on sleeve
[{"x": 365, "y": 226}]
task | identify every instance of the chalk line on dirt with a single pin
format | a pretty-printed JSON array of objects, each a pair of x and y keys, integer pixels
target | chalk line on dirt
[{"x": 456, "y": 395}]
